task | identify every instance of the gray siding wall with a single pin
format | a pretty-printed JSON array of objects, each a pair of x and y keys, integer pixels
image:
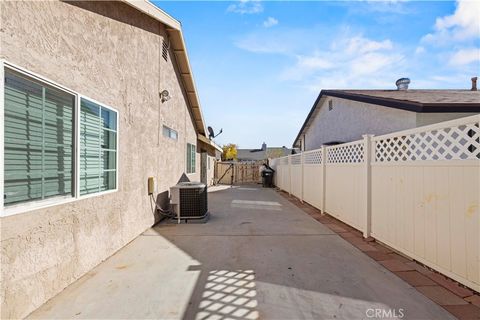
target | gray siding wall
[
  {"x": 349, "y": 120},
  {"x": 424, "y": 119},
  {"x": 111, "y": 53}
]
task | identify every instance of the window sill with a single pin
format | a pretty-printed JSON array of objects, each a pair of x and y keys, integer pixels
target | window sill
[{"x": 47, "y": 203}]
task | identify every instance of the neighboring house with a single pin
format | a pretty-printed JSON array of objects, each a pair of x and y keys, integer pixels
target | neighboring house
[
  {"x": 339, "y": 116},
  {"x": 85, "y": 121},
  {"x": 264, "y": 153}
]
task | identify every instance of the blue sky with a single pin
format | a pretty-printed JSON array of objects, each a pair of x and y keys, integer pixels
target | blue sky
[{"x": 259, "y": 65}]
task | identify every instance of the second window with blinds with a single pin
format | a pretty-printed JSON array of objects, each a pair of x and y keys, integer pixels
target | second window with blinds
[
  {"x": 191, "y": 158},
  {"x": 98, "y": 148}
]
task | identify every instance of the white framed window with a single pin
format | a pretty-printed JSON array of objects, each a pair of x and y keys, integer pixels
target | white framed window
[
  {"x": 38, "y": 140},
  {"x": 170, "y": 133},
  {"x": 191, "y": 158},
  {"x": 98, "y": 147},
  {"x": 57, "y": 145}
]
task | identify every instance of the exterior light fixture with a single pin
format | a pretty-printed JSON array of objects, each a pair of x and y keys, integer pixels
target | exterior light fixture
[{"x": 165, "y": 96}]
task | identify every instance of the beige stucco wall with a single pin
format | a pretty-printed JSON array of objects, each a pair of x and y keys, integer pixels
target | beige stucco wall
[{"x": 111, "y": 53}]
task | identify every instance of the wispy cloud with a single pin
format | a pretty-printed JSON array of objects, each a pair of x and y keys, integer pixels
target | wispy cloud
[
  {"x": 389, "y": 6},
  {"x": 459, "y": 31},
  {"x": 463, "y": 24},
  {"x": 321, "y": 60},
  {"x": 386, "y": 7},
  {"x": 356, "y": 62},
  {"x": 465, "y": 56},
  {"x": 246, "y": 7},
  {"x": 419, "y": 50},
  {"x": 270, "y": 22}
]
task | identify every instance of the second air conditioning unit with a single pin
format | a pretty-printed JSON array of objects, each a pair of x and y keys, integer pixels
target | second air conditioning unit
[{"x": 189, "y": 201}]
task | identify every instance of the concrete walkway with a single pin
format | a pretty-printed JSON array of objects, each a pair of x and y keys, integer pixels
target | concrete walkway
[{"x": 259, "y": 257}]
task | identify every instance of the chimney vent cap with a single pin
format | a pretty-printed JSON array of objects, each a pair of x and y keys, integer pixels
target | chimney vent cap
[{"x": 474, "y": 84}]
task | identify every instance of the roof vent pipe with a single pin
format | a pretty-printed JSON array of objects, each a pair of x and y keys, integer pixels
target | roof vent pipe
[
  {"x": 474, "y": 84},
  {"x": 402, "y": 83}
]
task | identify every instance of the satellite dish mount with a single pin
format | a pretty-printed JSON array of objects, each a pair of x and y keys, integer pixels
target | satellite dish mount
[{"x": 211, "y": 133}]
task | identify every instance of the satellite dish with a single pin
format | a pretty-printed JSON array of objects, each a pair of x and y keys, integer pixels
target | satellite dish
[{"x": 211, "y": 133}]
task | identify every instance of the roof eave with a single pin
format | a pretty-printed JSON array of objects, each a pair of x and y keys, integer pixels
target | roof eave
[
  {"x": 155, "y": 12},
  {"x": 174, "y": 30},
  {"x": 389, "y": 103}
]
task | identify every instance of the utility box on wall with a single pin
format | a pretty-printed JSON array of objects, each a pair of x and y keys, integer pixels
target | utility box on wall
[{"x": 152, "y": 185}]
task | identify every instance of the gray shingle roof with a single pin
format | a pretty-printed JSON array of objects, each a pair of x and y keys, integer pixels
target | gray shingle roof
[
  {"x": 258, "y": 154},
  {"x": 422, "y": 96}
]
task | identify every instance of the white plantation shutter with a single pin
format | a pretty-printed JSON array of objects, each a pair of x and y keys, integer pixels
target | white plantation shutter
[{"x": 38, "y": 143}]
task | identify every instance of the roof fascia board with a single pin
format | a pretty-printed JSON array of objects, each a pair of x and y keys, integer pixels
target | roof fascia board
[
  {"x": 155, "y": 12},
  {"x": 209, "y": 142},
  {"x": 406, "y": 105},
  {"x": 183, "y": 51},
  {"x": 386, "y": 102},
  {"x": 312, "y": 110},
  {"x": 175, "y": 30}
]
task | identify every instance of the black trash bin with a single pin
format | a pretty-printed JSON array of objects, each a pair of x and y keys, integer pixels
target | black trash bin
[{"x": 267, "y": 178}]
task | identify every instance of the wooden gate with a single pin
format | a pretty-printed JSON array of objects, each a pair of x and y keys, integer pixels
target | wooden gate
[{"x": 237, "y": 172}]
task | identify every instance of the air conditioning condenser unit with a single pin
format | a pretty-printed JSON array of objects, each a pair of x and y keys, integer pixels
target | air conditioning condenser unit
[{"x": 189, "y": 201}]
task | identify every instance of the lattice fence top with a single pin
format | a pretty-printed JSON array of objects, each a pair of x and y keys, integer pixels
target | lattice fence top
[
  {"x": 313, "y": 157},
  {"x": 460, "y": 142},
  {"x": 296, "y": 159},
  {"x": 345, "y": 153},
  {"x": 283, "y": 161}
]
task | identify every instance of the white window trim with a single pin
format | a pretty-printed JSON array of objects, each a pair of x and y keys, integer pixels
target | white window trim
[
  {"x": 186, "y": 160},
  {"x": 58, "y": 200},
  {"x": 169, "y": 131},
  {"x": 77, "y": 191}
]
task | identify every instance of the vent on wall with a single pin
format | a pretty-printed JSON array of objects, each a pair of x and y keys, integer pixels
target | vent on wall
[
  {"x": 330, "y": 105},
  {"x": 165, "y": 47}
]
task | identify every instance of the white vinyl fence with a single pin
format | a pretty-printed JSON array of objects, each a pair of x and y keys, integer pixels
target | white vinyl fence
[{"x": 418, "y": 191}]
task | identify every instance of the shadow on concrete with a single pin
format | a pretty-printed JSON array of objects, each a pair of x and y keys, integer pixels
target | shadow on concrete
[
  {"x": 283, "y": 265},
  {"x": 243, "y": 264}
]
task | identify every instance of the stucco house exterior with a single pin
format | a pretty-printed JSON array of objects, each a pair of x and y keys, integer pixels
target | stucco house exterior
[
  {"x": 339, "y": 116},
  {"x": 96, "y": 97}
]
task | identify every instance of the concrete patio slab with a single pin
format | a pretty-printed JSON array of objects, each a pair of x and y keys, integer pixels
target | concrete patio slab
[{"x": 259, "y": 257}]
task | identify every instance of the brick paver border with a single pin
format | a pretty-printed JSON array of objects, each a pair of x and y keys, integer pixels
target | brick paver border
[{"x": 457, "y": 299}]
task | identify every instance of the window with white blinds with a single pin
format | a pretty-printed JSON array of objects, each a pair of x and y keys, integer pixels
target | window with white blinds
[
  {"x": 38, "y": 140},
  {"x": 191, "y": 158},
  {"x": 98, "y": 148},
  {"x": 42, "y": 124}
]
